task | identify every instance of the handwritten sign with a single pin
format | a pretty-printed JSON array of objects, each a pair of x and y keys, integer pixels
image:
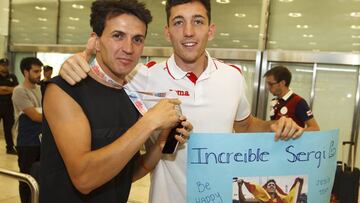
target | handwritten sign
[{"x": 233, "y": 167}]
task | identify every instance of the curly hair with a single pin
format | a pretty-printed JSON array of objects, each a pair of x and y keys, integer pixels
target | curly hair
[{"x": 103, "y": 10}]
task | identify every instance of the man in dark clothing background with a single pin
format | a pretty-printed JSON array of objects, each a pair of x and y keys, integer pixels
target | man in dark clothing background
[
  {"x": 47, "y": 72},
  {"x": 7, "y": 83}
]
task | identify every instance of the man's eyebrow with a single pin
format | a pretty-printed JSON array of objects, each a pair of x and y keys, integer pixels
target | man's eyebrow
[
  {"x": 182, "y": 17},
  {"x": 124, "y": 33},
  {"x": 177, "y": 18},
  {"x": 198, "y": 16},
  {"x": 117, "y": 31},
  {"x": 139, "y": 35}
]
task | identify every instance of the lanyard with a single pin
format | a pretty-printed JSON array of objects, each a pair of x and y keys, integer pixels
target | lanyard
[
  {"x": 133, "y": 95},
  {"x": 99, "y": 72}
]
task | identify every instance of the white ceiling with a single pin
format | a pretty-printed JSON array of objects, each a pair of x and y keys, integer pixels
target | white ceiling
[{"x": 330, "y": 26}]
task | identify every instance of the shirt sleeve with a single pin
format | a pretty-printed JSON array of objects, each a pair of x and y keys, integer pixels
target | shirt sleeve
[
  {"x": 303, "y": 111},
  {"x": 243, "y": 110},
  {"x": 21, "y": 99}
]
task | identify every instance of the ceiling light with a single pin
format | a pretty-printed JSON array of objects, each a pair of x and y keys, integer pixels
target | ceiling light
[
  {"x": 223, "y": 1},
  {"x": 6, "y": 9},
  {"x": 356, "y": 44},
  {"x": 163, "y": 2},
  {"x": 308, "y": 35},
  {"x": 303, "y": 70},
  {"x": 272, "y": 42},
  {"x": 312, "y": 43},
  {"x": 236, "y": 41},
  {"x": 355, "y": 14},
  {"x": 67, "y": 40},
  {"x": 355, "y": 27},
  {"x": 355, "y": 36},
  {"x": 78, "y": 6},
  {"x": 15, "y": 20},
  {"x": 253, "y": 26},
  {"x": 245, "y": 46},
  {"x": 40, "y": 8},
  {"x": 42, "y": 19},
  {"x": 302, "y": 26},
  {"x": 286, "y": 1},
  {"x": 44, "y": 27},
  {"x": 337, "y": 69},
  {"x": 295, "y": 15},
  {"x": 225, "y": 34},
  {"x": 71, "y": 27},
  {"x": 240, "y": 15},
  {"x": 349, "y": 95},
  {"x": 69, "y": 34},
  {"x": 74, "y": 19}
]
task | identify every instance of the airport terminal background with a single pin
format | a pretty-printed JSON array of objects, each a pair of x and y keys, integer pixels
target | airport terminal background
[{"x": 318, "y": 40}]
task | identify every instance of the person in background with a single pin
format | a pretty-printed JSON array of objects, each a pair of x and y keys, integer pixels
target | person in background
[
  {"x": 27, "y": 102},
  {"x": 286, "y": 102},
  {"x": 47, "y": 72},
  {"x": 92, "y": 132},
  {"x": 7, "y": 83},
  {"x": 212, "y": 92}
]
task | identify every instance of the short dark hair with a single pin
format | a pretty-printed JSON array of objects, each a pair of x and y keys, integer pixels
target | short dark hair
[
  {"x": 27, "y": 62},
  {"x": 172, "y": 3},
  {"x": 280, "y": 73},
  {"x": 4, "y": 61},
  {"x": 103, "y": 10},
  {"x": 47, "y": 68}
]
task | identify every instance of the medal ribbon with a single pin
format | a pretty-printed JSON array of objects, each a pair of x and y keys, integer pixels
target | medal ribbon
[
  {"x": 133, "y": 95},
  {"x": 99, "y": 72}
]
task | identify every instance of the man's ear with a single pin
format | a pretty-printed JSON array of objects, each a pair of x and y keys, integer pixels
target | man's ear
[
  {"x": 97, "y": 41},
  {"x": 26, "y": 73},
  {"x": 212, "y": 29},
  {"x": 283, "y": 83}
]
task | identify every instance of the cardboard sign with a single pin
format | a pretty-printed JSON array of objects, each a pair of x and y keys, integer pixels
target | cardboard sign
[{"x": 252, "y": 167}]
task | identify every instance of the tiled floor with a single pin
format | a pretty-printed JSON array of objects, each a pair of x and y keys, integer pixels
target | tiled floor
[{"x": 9, "y": 187}]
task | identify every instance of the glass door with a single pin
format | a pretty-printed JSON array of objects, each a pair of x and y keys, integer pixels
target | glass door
[{"x": 335, "y": 99}]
